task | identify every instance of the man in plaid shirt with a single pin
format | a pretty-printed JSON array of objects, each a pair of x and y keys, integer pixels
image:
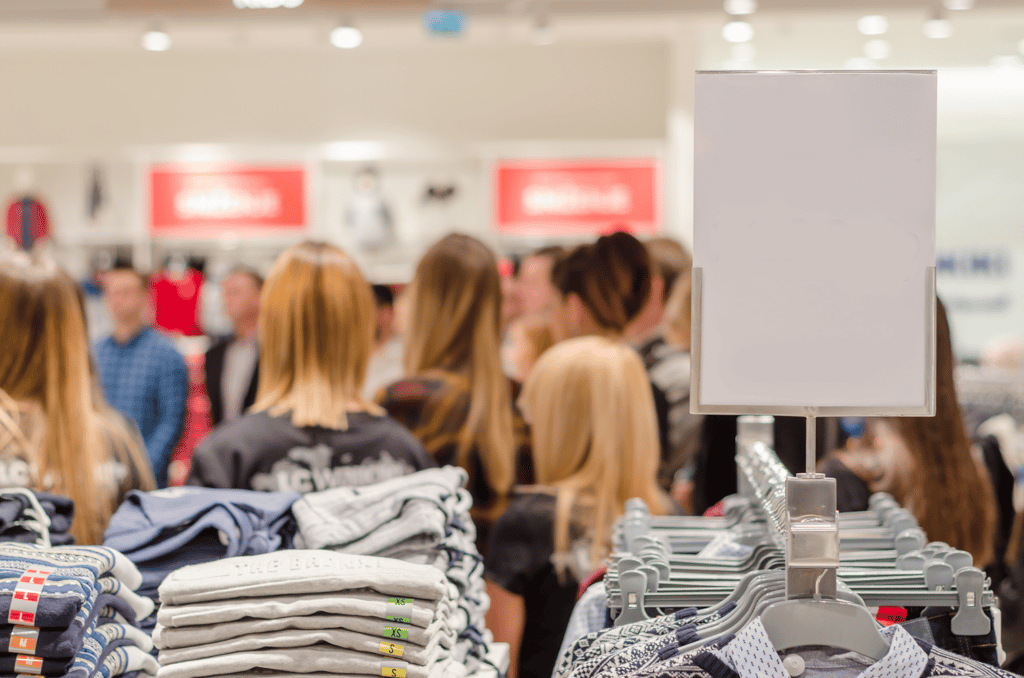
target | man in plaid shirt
[{"x": 143, "y": 375}]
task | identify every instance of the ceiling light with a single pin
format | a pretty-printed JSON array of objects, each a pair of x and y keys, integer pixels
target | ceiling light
[
  {"x": 877, "y": 49},
  {"x": 738, "y": 31},
  {"x": 346, "y": 37},
  {"x": 938, "y": 28},
  {"x": 740, "y": 7},
  {"x": 156, "y": 40},
  {"x": 958, "y": 4},
  {"x": 873, "y": 24}
]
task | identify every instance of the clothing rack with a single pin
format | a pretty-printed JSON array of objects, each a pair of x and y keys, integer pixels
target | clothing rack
[{"x": 879, "y": 557}]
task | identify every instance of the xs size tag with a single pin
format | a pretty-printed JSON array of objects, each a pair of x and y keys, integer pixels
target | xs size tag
[
  {"x": 396, "y": 632},
  {"x": 399, "y": 610}
]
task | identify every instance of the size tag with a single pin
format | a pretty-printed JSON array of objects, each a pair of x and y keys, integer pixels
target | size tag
[
  {"x": 394, "y": 669},
  {"x": 25, "y": 601},
  {"x": 399, "y": 610},
  {"x": 392, "y": 649},
  {"x": 26, "y": 664},
  {"x": 23, "y": 640},
  {"x": 396, "y": 631}
]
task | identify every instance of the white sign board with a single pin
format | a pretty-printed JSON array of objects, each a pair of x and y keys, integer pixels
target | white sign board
[{"x": 814, "y": 242}]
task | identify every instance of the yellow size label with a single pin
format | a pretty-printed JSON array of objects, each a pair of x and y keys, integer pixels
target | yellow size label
[
  {"x": 392, "y": 672},
  {"x": 393, "y": 649}
]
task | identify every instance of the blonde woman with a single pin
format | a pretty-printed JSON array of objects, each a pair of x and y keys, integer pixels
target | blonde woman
[
  {"x": 57, "y": 434},
  {"x": 457, "y": 400},
  {"x": 309, "y": 429},
  {"x": 595, "y": 445}
]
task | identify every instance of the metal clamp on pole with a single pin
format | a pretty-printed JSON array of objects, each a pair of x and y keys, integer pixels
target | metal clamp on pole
[{"x": 812, "y": 537}]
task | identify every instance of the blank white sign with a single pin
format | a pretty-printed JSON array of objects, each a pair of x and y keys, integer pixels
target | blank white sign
[{"x": 814, "y": 229}]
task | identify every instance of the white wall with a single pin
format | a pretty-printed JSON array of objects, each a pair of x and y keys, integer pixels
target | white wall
[{"x": 450, "y": 92}]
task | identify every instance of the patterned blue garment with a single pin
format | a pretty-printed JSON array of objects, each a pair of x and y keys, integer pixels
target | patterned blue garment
[
  {"x": 589, "y": 615},
  {"x": 147, "y": 381},
  {"x": 750, "y": 654},
  {"x": 590, "y": 651}
]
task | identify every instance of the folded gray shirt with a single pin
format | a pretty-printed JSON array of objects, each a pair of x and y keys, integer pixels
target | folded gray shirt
[
  {"x": 353, "y": 603},
  {"x": 300, "y": 572},
  {"x": 296, "y": 638},
  {"x": 314, "y": 659},
  {"x": 190, "y": 636}
]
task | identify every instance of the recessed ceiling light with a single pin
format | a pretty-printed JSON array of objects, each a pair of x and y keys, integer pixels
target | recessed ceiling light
[
  {"x": 346, "y": 37},
  {"x": 873, "y": 24},
  {"x": 738, "y": 31},
  {"x": 739, "y": 7},
  {"x": 958, "y": 4},
  {"x": 938, "y": 28},
  {"x": 156, "y": 40}
]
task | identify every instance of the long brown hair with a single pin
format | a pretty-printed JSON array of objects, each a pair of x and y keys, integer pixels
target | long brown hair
[
  {"x": 45, "y": 365},
  {"x": 316, "y": 336},
  {"x": 455, "y": 326},
  {"x": 595, "y": 435},
  {"x": 946, "y": 488},
  {"x": 612, "y": 277}
]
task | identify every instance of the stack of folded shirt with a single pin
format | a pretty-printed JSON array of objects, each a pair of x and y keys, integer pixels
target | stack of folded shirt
[
  {"x": 20, "y": 519},
  {"x": 165, "y": 530},
  {"x": 316, "y": 613},
  {"x": 419, "y": 518},
  {"x": 71, "y": 611}
]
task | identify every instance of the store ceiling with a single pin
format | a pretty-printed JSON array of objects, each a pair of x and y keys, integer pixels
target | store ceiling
[{"x": 80, "y": 9}]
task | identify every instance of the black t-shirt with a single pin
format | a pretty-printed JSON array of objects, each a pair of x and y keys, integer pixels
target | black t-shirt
[
  {"x": 519, "y": 561},
  {"x": 261, "y": 452}
]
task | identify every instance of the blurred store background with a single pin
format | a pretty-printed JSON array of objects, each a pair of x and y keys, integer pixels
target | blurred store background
[{"x": 178, "y": 133}]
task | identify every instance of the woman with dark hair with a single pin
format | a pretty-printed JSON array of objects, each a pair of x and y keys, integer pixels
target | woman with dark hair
[
  {"x": 603, "y": 287},
  {"x": 927, "y": 464}
]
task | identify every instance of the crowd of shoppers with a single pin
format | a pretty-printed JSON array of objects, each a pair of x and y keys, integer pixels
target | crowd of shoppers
[{"x": 562, "y": 389}]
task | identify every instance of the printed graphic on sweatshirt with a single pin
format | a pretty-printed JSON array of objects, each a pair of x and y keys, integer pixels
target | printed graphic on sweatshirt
[{"x": 312, "y": 469}]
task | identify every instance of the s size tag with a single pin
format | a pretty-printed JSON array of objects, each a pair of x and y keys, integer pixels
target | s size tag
[
  {"x": 394, "y": 669},
  {"x": 396, "y": 632},
  {"x": 393, "y": 649},
  {"x": 399, "y": 610}
]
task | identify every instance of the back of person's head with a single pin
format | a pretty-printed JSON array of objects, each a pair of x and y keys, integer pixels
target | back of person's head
[
  {"x": 45, "y": 365},
  {"x": 949, "y": 493},
  {"x": 316, "y": 336},
  {"x": 678, "y": 312},
  {"x": 594, "y": 433},
  {"x": 670, "y": 260},
  {"x": 610, "y": 278},
  {"x": 454, "y": 325}
]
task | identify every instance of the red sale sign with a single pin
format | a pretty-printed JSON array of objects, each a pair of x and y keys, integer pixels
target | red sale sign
[
  {"x": 208, "y": 200},
  {"x": 543, "y": 197}
]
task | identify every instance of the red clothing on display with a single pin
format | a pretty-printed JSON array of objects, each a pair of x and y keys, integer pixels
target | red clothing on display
[
  {"x": 27, "y": 222},
  {"x": 176, "y": 302}
]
